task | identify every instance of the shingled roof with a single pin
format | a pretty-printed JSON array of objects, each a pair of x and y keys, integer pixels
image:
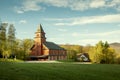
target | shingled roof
[{"x": 53, "y": 46}]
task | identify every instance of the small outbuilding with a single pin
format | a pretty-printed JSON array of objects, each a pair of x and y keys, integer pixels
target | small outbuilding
[{"x": 83, "y": 57}]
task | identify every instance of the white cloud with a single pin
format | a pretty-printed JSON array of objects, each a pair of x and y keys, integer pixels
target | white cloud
[
  {"x": 31, "y": 5},
  {"x": 109, "y": 33},
  {"x": 103, "y": 34},
  {"x": 93, "y": 38},
  {"x": 24, "y": 33},
  {"x": 28, "y": 5},
  {"x": 90, "y": 38},
  {"x": 9, "y": 22},
  {"x": 115, "y": 18},
  {"x": 60, "y": 24},
  {"x": 115, "y": 4},
  {"x": 22, "y": 22},
  {"x": 20, "y": 12},
  {"x": 88, "y": 41},
  {"x": 57, "y": 3},
  {"x": 95, "y": 41},
  {"x": 75, "y": 34},
  {"x": 62, "y": 30},
  {"x": 54, "y": 19},
  {"x": 97, "y": 3},
  {"x": 81, "y": 5}
]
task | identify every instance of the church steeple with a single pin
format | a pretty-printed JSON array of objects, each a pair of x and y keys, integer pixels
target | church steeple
[
  {"x": 40, "y": 29},
  {"x": 40, "y": 35}
]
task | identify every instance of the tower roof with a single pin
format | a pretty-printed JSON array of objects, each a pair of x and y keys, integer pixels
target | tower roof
[{"x": 40, "y": 29}]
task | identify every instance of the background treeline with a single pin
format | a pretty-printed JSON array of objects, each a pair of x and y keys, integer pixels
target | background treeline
[
  {"x": 102, "y": 52},
  {"x": 10, "y": 46}
]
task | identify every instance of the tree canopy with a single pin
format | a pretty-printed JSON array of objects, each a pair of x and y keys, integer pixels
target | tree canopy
[{"x": 102, "y": 53}]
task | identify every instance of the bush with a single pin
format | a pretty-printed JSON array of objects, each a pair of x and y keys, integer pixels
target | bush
[{"x": 117, "y": 60}]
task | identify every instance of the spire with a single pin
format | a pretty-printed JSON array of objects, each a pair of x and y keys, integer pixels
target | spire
[
  {"x": 40, "y": 29},
  {"x": 40, "y": 35}
]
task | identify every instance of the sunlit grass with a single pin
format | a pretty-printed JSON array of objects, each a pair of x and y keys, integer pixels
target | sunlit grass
[
  {"x": 10, "y": 60},
  {"x": 58, "y": 71}
]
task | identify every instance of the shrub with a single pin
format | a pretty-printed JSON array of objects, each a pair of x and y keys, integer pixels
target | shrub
[{"x": 117, "y": 60}]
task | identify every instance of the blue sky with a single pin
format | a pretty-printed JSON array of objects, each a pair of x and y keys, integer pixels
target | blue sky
[{"x": 79, "y": 22}]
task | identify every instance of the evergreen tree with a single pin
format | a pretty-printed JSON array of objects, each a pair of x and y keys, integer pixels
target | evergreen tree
[
  {"x": 11, "y": 38},
  {"x": 3, "y": 32},
  {"x": 3, "y": 38},
  {"x": 11, "y": 33}
]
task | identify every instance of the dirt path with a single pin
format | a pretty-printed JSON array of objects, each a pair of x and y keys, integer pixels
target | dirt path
[
  {"x": 57, "y": 62},
  {"x": 42, "y": 62}
]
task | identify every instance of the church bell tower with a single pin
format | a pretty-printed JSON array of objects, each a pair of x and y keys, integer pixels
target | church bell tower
[
  {"x": 39, "y": 40},
  {"x": 40, "y": 35}
]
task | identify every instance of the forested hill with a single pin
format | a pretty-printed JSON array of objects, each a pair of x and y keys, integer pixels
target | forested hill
[{"x": 116, "y": 46}]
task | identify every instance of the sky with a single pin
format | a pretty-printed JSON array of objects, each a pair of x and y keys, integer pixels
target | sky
[{"x": 79, "y": 22}]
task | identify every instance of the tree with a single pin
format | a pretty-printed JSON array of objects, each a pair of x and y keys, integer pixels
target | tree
[
  {"x": 106, "y": 52},
  {"x": 11, "y": 38},
  {"x": 3, "y": 32},
  {"x": 98, "y": 52},
  {"x": 92, "y": 54},
  {"x": 23, "y": 49},
  {"x": 3, "y": 37},
  {"x": 102, "y": 53},
  {"x": 111, "y": 55},
  {"x": 72, "y": 51},
  {"x": 6, "y": 53}
]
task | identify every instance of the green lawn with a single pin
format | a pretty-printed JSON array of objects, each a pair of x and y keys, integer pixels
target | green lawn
[{"x": 58, "y": 71}]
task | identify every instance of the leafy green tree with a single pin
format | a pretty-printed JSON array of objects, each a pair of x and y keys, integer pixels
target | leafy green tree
[
  {"x": 98, "y": 52},
  {"x": 6, "y": 53},
  {"x": 111, "y": 55},
  {"x": 91, "y": 53},
  {"x": 72, "y": 50},
  {"x": 102, "y": 53},
  {"x": 5, "y": 50},
  {"x": 23, "y": 48},
  {"x": 117, "y": 59},
  {"x": 18, "y": 49},
  {"x": 106, "y": 52}
]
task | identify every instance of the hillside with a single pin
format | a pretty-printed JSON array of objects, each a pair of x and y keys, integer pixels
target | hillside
[{"x": 116, "y": 46}]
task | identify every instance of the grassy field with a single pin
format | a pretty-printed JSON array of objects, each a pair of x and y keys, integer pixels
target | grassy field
[{"x": 58, "y": 71}]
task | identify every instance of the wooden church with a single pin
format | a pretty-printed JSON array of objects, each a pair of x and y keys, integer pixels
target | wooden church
[{"x": 43, "y": 50}]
